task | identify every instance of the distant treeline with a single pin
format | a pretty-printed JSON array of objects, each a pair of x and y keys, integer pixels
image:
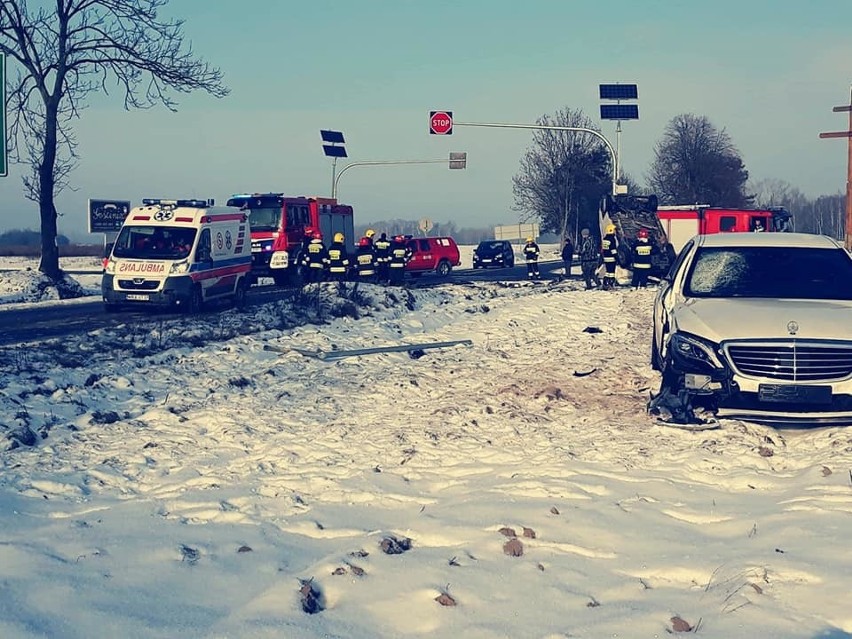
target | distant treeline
[
  {"x": 411, "y": 227},
  {"x": 26, "y": 237}
]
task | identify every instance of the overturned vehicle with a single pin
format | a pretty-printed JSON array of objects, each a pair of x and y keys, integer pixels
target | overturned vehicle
[
  {"x": 755, "y": 326},
  {"x": 631, "y": 214}
]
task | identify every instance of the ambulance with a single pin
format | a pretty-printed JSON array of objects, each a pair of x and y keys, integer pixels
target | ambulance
[{"x": 179, "y": 254}]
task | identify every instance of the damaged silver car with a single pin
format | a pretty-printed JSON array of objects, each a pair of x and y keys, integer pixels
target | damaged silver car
[{"x": 756, "y": 326}]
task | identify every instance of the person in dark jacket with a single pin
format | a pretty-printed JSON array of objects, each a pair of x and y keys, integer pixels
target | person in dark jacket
[
  {"x": 589, "y": 259},
  {"x": 643, "y": 259},
  {"x": 531, "y": 253},
  {"x": 314, "y": 259},
  {"x": 382, "y": 251},
  {"x": 338, "y": 259},
  {"x": 609, "y": 254},
  {"x": 568, "y": 255},
  {"x": 398, "y": 258},
  {"x": 365, "y": 261}
]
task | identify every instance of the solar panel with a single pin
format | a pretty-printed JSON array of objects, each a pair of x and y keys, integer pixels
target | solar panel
[
  {"x": 334, "y": 151},
  {"x": 619, "y": 92},
  {"x": 332, "y": 137},
  {"x": 619, "y": 112}
]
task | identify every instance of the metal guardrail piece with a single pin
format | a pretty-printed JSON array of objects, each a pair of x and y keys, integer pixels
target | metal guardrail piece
[{"x": 328, "y": 356}]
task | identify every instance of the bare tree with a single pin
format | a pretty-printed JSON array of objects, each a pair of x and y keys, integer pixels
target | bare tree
[
  {"x": 695, "y": 162},
  {"x": 65, "y": 53},
  {"x": 564, "y": 174}
]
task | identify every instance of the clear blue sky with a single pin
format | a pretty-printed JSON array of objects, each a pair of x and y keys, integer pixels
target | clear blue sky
[{"x": 768, "y": 71}]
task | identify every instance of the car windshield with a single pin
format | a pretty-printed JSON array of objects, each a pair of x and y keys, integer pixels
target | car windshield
[
  {"x": 154, "y": 242},
  {"x": 770, "y": 272},
  {"x": 490, "y": 247}
]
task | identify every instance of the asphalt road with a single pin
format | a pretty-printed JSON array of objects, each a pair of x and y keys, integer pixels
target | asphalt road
[{"x": 55, "y": 320}]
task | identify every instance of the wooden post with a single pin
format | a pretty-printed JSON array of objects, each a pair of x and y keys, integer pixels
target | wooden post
[{"x": 848, "y": 135}]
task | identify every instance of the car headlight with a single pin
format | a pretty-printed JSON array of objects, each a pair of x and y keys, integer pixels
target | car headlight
[
  {"x": 179, "y": 267},
  {"x": 695, "y": 349}
]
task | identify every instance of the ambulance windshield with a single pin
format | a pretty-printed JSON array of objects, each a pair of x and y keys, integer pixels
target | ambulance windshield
[
  {"x": 154, "y": 242},
  {"x": 265, "y": 218}
]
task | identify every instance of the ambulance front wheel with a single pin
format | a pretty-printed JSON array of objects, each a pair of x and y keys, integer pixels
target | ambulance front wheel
[
  {"x": 196, "y": 300},
  {"x": 240, "y": 294}
]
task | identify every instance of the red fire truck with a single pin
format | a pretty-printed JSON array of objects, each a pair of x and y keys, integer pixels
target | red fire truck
[
  {"x": 279, "y": 225},
  {"x": 681, "y": 222}
]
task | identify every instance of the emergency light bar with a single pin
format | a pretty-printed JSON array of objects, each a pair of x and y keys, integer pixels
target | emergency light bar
[{"x": 192, "y": 203}]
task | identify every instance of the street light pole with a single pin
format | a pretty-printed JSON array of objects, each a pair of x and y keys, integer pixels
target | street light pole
[
  {"x": 848, "y": 136},
  {"x": 542, "y": 127}
]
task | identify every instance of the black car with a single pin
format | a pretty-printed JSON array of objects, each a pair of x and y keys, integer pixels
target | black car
[{"x": 494, "y": 253}]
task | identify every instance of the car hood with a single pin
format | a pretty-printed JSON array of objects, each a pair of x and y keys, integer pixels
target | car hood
[{"x": 724, "y": 319}]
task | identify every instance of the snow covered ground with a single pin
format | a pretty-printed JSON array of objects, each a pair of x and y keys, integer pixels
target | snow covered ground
[{"x": 180, "y": 479}]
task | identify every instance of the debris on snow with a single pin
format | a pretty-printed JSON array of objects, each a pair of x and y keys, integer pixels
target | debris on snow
[
  {"x": 392, "y": 545},
  {"x": 513, "y": 548},
  {"x": 311, "y": 598}
]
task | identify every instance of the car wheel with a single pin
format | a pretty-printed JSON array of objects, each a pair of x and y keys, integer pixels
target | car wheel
[
  {"x": 196, "y": 300},
  {"x": 656, "y": 363},
  {"x": 444, "y": 268}
]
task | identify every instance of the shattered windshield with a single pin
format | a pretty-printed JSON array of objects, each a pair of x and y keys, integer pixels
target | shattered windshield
[
  {"x": 154, "y": 242},
  {"x": 770, "y": 272},
  {"x": 265, "y": 218}
]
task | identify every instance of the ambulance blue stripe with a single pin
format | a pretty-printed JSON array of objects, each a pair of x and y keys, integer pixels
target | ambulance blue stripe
[{"x": 234, "y": 261}]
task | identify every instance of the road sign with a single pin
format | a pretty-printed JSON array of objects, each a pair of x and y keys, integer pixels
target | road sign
[
  {"x": 425, "y": 225},
  {"x": 441, "y": 122},
  {"x": 107, "y": 216},
  {"x": 4, "y": 157},
  {"x": 458, "y": 160}
]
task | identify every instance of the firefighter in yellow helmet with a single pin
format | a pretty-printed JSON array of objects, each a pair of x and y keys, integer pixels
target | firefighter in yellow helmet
[
  {"x": 338, "y": 258},
  {"x": 609, "y": 253},
  {"x": 531, "y": 253}
]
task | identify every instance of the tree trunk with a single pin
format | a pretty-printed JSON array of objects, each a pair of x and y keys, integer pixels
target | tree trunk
[{"x": 49, "y": 264}]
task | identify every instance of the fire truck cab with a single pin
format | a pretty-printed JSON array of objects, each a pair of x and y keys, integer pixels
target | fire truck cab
[
  {"x": 178, "y": 253},
  {"x": 280, "y": 225},
  {"x": 682, "y": 222}
]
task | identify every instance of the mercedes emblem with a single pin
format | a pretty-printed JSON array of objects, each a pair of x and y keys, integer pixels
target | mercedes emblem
[{"x": 792, "y": 327}]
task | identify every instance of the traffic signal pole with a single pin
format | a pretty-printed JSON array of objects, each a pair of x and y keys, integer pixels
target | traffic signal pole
[
  {"x": 848, "y": 136},
  {"x": 541, "y": 127}
]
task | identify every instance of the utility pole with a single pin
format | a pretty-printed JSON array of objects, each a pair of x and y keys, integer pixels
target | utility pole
[{"x": 848, "y": 135}]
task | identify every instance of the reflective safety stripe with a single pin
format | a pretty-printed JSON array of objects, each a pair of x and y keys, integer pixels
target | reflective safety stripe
[{"x": 366, "y": 272}]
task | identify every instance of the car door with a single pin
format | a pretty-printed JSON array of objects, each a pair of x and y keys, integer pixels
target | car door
[{"x": 668, "y": 296}]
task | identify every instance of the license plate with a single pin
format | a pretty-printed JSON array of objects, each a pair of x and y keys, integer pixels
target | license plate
[
  {"x": 138, "y": 297},
  {"x": 794, "y": 394}
]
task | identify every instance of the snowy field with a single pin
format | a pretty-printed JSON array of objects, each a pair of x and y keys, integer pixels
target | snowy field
[{"x": 179, "y": 479}]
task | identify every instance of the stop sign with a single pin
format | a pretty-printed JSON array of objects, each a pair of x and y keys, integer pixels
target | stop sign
[{"x": 441, "y": 122}]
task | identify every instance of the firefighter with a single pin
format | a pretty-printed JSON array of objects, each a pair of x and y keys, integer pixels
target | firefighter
[
  {"x": 315, "y": 259},
  {"x": 338, "y": 259},
  {"x": 531, "y": 253},
  {"x": 643, "y": 254},
  {"x": 382, "y": 251},
  {"x": 365, "y": 261},
  {"x": 609, "y": 253},
  {"x": 589, "y": 259},
  {"x": 399, "y": 256},
  {"x": 368, "y": 234}
]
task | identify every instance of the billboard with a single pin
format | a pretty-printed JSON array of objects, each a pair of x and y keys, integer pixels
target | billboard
[
  {"x": 516, "y": 231},
  {"x": 107, "y": 216}
]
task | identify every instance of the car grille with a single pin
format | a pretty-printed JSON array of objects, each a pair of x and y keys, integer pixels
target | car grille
[
  {"x": 144, "y": 285},
  {"x": 793, "y": 361}
]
